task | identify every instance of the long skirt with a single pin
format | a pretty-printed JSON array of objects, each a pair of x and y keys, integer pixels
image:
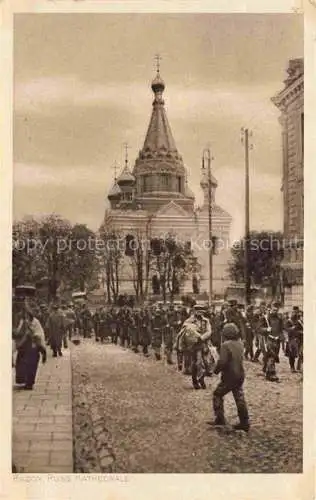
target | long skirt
[
  {"x": 26, "y": 366},
  {"x": 20, "y": 367},
  {"x": 32, "y": 359}
]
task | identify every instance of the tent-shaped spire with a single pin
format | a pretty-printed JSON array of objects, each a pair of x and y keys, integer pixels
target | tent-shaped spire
[{"x": 159, "y": 136}]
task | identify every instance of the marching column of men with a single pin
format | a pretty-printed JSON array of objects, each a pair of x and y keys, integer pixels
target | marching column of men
[
  {"x": 263, "y": 330},
  {"x": 233, "y": 334}
]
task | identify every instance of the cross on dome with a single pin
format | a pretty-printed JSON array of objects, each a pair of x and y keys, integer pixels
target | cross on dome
[
  {"x": 115, "y": 168},
  {"x": 158, "y": 59},
  {"x": 127, "y": 147},
  {"x": 158, "y": 85}
]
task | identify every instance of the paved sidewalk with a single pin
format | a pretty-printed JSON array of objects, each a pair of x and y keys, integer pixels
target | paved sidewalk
[{"x": 42, "y": 420}]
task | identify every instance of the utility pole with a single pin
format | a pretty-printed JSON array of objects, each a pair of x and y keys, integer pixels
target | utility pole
[
  {"x": 245, "y": 140},
  {"x": 208, "y": 158}
]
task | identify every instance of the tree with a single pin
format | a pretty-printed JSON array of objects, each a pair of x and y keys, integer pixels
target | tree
[
  {"x": 173, "y": 261},
  {"x": 54, "y": 234},
  {"x": 110, "y": 257},
  {"x": 265, "y": 257},
  {"x": 48, "y": 250},
  {"x": 139, "y": 253},
  {"x": 28, "y": 265},
  {"x": 82, "y": 265}
]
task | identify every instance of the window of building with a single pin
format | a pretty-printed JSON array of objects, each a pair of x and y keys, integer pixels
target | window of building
[
  {"x": 166, "y": 182},
  {"x": 179, "y": 184},
  {"x": 146, "y": 183}
]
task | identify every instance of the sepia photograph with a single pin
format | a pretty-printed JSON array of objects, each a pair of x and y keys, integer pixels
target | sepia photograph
[{"x": 157, "y": 243}]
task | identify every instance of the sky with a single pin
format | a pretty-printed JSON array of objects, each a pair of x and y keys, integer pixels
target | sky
[{"x": 82, "y": 90}]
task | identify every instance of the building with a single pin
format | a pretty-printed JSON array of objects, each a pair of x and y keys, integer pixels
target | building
[
  {"x": 154, "y": 198},
  {"x": 290, "y": 101}
]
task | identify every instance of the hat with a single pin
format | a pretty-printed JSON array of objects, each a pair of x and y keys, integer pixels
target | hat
[
  {"x": 276, "y": 304},
  {"x": 232, "y": 302},
  {"x": 241, "y": 306},
  {"x": 230, "y": 331},
  {"x": 296, "y": 308}
]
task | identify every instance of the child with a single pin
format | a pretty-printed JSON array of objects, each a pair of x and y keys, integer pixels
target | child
[{"x": 230, "y": 364}]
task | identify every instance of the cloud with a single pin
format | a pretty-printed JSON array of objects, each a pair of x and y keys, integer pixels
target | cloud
[
  {"x": 40, "y": 175},
  {"x": 80, "y": 195},
  {"x": 46, "y": 94},
  {"x": 195, "y": 103}
]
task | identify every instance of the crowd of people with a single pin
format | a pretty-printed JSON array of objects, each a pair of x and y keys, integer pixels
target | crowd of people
[
  {"x": 201, "y": 341},
  {"x": 263, "y": 330}
]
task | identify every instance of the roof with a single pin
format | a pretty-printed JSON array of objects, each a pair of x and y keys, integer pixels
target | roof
[
  {"x": 114, "y": 191},
  {"x": 204, "y": 180},
  {"x": 159, "y": 135},
  {"x": 126, "y": 177}
]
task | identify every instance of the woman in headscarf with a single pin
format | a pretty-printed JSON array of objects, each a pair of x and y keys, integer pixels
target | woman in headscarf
[{"x": 30, "y": 345}]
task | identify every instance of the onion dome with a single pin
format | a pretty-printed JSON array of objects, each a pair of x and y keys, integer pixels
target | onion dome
[
  {"x": 126, "y": 178},
  {"x": 158, "y": 85},
  {"x": 115, "y": 192},
  {"x": 204, "y": 180}
]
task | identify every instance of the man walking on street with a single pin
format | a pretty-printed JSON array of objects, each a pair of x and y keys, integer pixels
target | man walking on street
[
  {"x": 230, "y": 364},
  {"x": 56, "y": 330}
]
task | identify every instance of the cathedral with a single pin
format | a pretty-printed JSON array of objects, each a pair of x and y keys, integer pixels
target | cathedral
[{"x": 154, "y": 199}]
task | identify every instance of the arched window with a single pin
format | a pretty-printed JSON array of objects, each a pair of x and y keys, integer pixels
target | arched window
[{"x": 166, "y": 182}]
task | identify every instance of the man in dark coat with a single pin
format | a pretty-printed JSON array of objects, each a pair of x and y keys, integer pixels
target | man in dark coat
[
  {"x": 56, "y": 330},
  {"x": 145, "y": 332},
  {"x": 230, "y": 365},
  {"x": 158, "y": 324},
  {"x": 294, "y": 329},
  {"x": 272, "y": 332},
  {"x": 249, "y": 332}
]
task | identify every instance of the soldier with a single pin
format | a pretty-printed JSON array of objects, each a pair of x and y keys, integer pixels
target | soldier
[
  {"x": 249, "y": 335},
  {"x": 217, "y": 324},
  {"x": 113, "y": 323},
  {"x": 242, "y": 320},
  {"x": 260, "y": 321},
  {"x": 180, "y": 355},
  {"x": 145, "y": 322},
  {"x": 157, "y": 326},
  {"x": 187, "y": 355},
  {"x": 294, "y": 329},
  {"x": 272, "y": 332},
  {"x": 124, "y": 321},
  {"x": 103, "y": 324},
  {"x": 232, "y": 313},
  {"x": 96, "y": 323},
  {"x": 300, "y": 340},
  {"x": 198, "y": 367},
  {"x": 135, "y": 325},
  {"x": 168, "y": 333}
]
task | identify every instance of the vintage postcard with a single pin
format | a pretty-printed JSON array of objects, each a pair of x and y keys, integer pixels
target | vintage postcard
[{"x": 157, "y": 264}]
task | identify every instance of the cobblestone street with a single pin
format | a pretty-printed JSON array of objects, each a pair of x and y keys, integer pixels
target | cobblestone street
[{"x": 133, "y": 414}]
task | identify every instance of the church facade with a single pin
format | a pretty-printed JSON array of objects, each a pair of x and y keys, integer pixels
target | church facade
[{"x": 153, "y": 199}]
